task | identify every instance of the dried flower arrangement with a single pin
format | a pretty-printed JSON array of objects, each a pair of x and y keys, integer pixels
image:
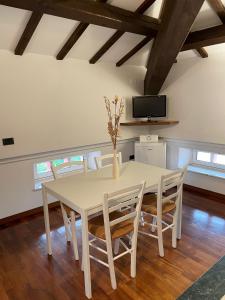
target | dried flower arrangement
[{"x": 114, "y": 115}]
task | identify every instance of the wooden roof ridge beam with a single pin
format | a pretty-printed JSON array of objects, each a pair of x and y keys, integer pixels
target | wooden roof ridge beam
[
  {"x": 92, "y": 12},
  {"x": 74, "y": 37},
  {"x": 118, "y": 34},
  {"x": 177, "y": 19},
  {"x": 28, "y": 32}
]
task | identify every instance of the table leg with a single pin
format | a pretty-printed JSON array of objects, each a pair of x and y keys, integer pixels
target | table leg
[
  {"x": 85, "y": 256},
  {"x": 179, "y": 217},
  {"x": 46, "y": 218}
]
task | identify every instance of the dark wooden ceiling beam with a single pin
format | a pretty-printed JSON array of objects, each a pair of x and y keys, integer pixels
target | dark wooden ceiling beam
[
  {"x": 117, "y": 35},
  {"x": 177, "y": 19},
  {"x": 205, "y": 37},
  {"x": 74, "y": 37},
  {"x": 218, "y": 7},
  {"x": 28, "y": 32},
  {"x": 132, "y": 52},
  {"x": 92, "y": 12},
  {"x": 140, "y": 45},
  {"x": 202, "y": 52},
  {"x": 72, "y": 40}
]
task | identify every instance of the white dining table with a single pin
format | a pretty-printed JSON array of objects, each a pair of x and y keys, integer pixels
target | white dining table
[{"x": 84, "y": 193}]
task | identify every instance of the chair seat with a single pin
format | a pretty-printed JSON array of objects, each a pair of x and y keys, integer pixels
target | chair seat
[
  {"x": 149, "y": 205},
  {"x": 96, "y": 226}
]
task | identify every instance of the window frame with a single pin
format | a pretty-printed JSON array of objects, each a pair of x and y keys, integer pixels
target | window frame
[{"x": 207, "y": 164}]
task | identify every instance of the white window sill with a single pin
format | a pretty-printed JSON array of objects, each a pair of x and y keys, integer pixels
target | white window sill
[{"x": 206, "y": 171}]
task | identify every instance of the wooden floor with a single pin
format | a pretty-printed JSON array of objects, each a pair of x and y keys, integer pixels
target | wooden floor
[{"x": 26, "y": 272}]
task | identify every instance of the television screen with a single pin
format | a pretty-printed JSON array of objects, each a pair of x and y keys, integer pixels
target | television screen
[{"x": 149, "y": 106}]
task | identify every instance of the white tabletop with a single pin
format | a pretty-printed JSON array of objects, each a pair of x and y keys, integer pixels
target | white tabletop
[{"x": 85, "y": 191}]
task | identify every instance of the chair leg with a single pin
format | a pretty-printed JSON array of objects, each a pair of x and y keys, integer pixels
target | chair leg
[
  {"x": 160, "y": 237},
  {"x": 142, "y": 219},
  {"x": 66, "y": 224},
  {"x": 133, "y": 265},
  {"x": 117, "y": 246},
  {"x": 154, "y": 222},
  {"x": 174, "y": 230},
  {"x": 174, "y": 236},
  {"x": 74, "y": 237},
  {"x": 111, "y": 266}
]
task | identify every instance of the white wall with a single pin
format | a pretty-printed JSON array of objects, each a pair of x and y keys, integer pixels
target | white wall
[
  {"x": 35, "y": 90},
  {"x": 195, "y": 89},
  {"x": 206, "y": 182},
  {"x": 49, "y": 105},
  {"x": 17, "y": 179}
]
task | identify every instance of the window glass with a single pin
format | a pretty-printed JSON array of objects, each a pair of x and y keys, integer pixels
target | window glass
[
  {"x": 43, "y": 167},
  {"x": 58, "y": 162},
  {"x": 43, "y": 172},
  {"x": 219, "y": 159},
  {"x": 204, "y": 156},
  {"x": 77, "y": 158}
]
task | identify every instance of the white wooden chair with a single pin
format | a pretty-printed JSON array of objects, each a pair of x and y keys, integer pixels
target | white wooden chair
[
  {"x": 100, "y": 160},
  {"x": 166, "y": 203},
  {"x": 114, "y": 224},
  {"x": 62, "y": 170}
]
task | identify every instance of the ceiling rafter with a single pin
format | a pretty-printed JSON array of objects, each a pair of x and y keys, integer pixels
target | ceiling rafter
[
  {"x": 118, "y": 34},
  {"x": 142, "y": 43},
  {"x": 218, "y": 7},
  {"x": 91, "y": 12},
  {"x": 28, "y": 32},
  {"x": 74, "y": 37},
  {"x": 205, "y": 37},
  {"x": 133, "y": 51},
  {"x": 179, "y": 14}
]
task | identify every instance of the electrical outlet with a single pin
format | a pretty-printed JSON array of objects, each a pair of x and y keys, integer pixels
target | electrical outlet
[{"x": 8, "y": 141}]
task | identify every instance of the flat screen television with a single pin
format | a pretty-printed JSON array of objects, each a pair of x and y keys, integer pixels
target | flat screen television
[{"x": 149, "y": 106}]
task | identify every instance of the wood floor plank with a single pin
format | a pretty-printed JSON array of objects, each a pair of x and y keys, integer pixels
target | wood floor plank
[{"x": 26, "y": 272}]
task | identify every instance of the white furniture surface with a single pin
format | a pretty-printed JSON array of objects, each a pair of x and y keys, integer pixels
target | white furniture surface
[
  {"x": 151, "y": 153},
  {"x": 100, "y": 160},
  {"x": 84, "y": 193}
]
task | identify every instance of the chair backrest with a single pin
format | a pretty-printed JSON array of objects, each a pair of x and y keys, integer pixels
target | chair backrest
[
  {"x": 129, "y": 197},
  {"x": 68, "y": 168},
  {"x": 170, "y": 188},
  {"x": 100, "y": 159}
]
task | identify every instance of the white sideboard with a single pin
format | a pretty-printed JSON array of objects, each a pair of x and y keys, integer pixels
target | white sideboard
[{"x": 151, "y": 153}]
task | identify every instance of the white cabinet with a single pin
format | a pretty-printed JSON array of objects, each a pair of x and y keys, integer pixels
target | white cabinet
[{"x": 151, "y": 153}]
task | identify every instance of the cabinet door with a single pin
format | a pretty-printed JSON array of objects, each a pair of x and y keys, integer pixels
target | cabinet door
[{"x": 152, "y": 155}]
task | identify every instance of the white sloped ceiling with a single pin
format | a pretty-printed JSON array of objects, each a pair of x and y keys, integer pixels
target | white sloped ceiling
[{"x": 52, "y": 32}]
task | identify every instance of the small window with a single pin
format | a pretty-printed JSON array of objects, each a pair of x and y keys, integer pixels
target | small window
[
  {"x": 209, "y": 159},
  {"x": 204, "y": 156},
  {"x": 43, "y": 172},
  {"x": 219, "y": 159}
]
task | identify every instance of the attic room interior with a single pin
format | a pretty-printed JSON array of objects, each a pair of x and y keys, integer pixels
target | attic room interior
[{"x": 112, "y": 149}]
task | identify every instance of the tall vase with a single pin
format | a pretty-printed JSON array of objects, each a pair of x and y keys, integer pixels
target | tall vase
[{"x": 115, "y": 167}]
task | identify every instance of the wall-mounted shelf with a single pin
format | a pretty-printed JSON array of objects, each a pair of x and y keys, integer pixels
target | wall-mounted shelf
[{"x": 153, "y": 122}]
